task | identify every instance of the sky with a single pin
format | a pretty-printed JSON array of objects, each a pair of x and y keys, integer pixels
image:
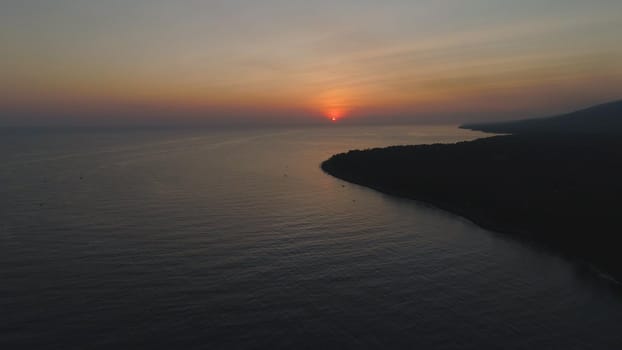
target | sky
[{"x": 92, "y": 62}]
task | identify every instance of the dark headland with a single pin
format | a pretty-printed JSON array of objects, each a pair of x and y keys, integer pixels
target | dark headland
[{"x": 556, "y": 181}]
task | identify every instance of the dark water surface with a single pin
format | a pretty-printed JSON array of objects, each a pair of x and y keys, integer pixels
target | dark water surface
[{"x": 236, "y": 239}]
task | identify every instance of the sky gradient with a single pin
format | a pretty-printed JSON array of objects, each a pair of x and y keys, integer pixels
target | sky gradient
[{"x": 288, "y": 61}]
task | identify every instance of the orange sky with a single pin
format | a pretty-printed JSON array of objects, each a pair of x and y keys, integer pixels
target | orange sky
[{"x": 294, "y": 61}]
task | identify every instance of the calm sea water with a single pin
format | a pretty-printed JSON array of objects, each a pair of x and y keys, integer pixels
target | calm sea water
[{"x": 237, "y": 239}]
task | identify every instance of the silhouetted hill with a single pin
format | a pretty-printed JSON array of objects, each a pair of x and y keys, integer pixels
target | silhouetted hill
[
  {"x": 602, "y": 119},
  {"x": 547, "y": 184}
]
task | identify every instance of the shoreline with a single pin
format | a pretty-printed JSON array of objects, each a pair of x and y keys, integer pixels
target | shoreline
[
  {"x": 362, "y": 168},
  {"x": 479, "y": 221}
]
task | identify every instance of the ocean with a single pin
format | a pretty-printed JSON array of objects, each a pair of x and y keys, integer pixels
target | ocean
[{"x": 235, "y": 239}]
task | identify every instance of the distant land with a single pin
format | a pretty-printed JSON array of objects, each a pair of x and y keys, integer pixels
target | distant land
[
  {"x": 556, "y": 181},
  {"x": 602, "y": 119}
]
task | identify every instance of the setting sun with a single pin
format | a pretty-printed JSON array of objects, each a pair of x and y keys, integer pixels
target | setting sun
[{"x": 334, "y": 114}]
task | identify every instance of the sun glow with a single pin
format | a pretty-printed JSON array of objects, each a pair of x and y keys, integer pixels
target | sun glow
[{"x": 334, "y": 114}]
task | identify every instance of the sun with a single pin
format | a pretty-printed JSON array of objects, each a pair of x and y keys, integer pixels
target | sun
[{"x": 334, "y": 114}]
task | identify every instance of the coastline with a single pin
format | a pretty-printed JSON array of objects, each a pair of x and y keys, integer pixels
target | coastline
[
  {"x": 362, "y": 168},
  {"x": 477, "y": 220}
]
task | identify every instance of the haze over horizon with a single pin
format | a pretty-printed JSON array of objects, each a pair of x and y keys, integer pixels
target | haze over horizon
[{"x": 275, "y": 61}]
